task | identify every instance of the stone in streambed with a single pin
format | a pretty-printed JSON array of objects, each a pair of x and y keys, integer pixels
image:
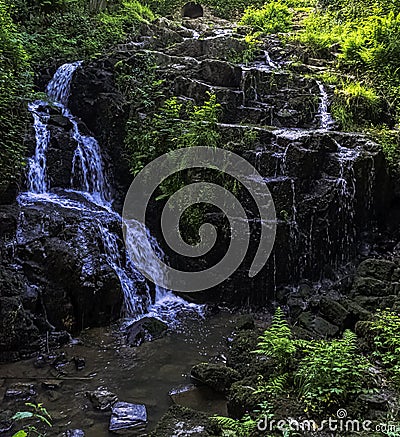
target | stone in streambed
[
  {"x": 127, "y": 417},
  {"x": 74, "y": 433},
  {"x": 181, "y": 421},
  {"x": 146, "y": 329},
  {"x": 200, "y": 399},
  {"x": 102, "y": 399},
  {"x": 218, "y": 377},
  {"x": 20, "y": 391}
]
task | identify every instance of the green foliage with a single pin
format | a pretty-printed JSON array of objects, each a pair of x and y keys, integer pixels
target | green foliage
[
  {"x": 174, "y": 125},
  {"x": 78, "y": 29},
  {"x": 171, "y": 127},
  {"x": 274, "y": 387},
  {"x": 355, "y": 105},
  {"x": 389, "y": 140},
  {"x": 252, "y": 47},
  {"x": 276, "y": 341},
  {"x": 331, "y": 372},
  {"x": 38, "y": 413},
  {"x": 271, "y": 18},
  {"x": 386, "y": 330},
  {"x": 15, "y": 86},
  {"x": 321, "y": 32},
  {"x": 235, "y": 428}
]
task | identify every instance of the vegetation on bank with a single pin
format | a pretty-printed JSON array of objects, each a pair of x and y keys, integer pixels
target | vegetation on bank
[
  {"x": 320, "y": 376},
  {"x": 43, "y": 33},
  {"x": 360, "y": 38}
]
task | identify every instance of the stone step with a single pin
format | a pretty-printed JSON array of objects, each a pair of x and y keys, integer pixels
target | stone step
[
  {"x": 197, "y": 90},
  {"x": 220, "y": 48}
]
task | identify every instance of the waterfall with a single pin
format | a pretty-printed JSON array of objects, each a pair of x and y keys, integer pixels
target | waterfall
[
  {"x": 326, "y": 120},
  {"x": 88, "y": 180},
  {"x": 37, "y": 180},
  {"x": 269, "y": 61}
]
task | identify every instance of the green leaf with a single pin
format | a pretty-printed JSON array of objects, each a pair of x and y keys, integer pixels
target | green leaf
[
  {"x": 22, "y": 415},
  {"x": 21, "y": 433}
]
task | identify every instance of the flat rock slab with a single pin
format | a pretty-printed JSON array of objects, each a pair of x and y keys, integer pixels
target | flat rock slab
[
  {"x": 199, "y": 398},
  {"x": 127, "y": 417}
]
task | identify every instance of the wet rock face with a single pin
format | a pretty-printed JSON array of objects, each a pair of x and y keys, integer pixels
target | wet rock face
[
  {"x": 192, "y": 10},
  {"x": 377, "y": 284},
  {"x": 328, "y": 187},
  {"x": 77, "y": 286}
]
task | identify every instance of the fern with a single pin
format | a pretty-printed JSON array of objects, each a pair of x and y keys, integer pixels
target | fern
[
  {"x": 276, "y": 341},
  {"x": 235, "y": 428},
  {"x": 331, "y": 372},
  {"x": 274, "y": 387}
]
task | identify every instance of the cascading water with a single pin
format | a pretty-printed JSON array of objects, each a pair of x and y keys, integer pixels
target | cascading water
[
  {"x": 325, "y": 117},
  {"x": 88, "y": 181},
  {"x": 37, "y": 180},
  {"x": 346, "y": 184}
]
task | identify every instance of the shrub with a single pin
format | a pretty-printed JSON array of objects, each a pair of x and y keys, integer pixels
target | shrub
[
  {"x": 271, "y": 18},
  {"x": 331, "y": 372},
  {"x": 386, "y": 332},
  {"x": 15, "y": 86},
  {"x": 78, "y": 33},
  {"x": 355, "y": 105}
]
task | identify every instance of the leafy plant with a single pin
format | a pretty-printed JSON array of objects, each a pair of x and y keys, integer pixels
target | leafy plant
[
  {"x": 15, "y": 87},
  {"x": 331, "y": 371},
  {"x": 356, "y": 104},
  {"x": 276, "y": 342},
  {"x": 273, "y": 17},
  {"x": 274, "y": 387},
  {"x": 386, "y": 331},
  {"x": 235, "y": 428},
  {"x": 38, "y": 413}
]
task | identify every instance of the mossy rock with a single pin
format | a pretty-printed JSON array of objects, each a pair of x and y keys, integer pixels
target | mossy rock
[
  {"x": 242, "y": 399},
  {"x": 184, "y": 421},
  {"x": 239, "y": 356},
  {"x": 218, "y": 377}
]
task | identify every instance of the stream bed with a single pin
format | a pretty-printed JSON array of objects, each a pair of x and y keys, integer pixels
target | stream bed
[{"x": 144, "y": 374}]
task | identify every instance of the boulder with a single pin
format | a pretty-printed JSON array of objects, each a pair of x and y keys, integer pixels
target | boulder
[
  {"x": 241, "y": 397},
  {"x": 380, "y": 269},
  {"x": 102, "y": 399},
  {"x": 333, "y": 311},
  {"x": 126, "y": 418},
  {"x": 181, "y": 421},
  {"x": 146, "y": 329},
  {"x": 216, "y": 376}
]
